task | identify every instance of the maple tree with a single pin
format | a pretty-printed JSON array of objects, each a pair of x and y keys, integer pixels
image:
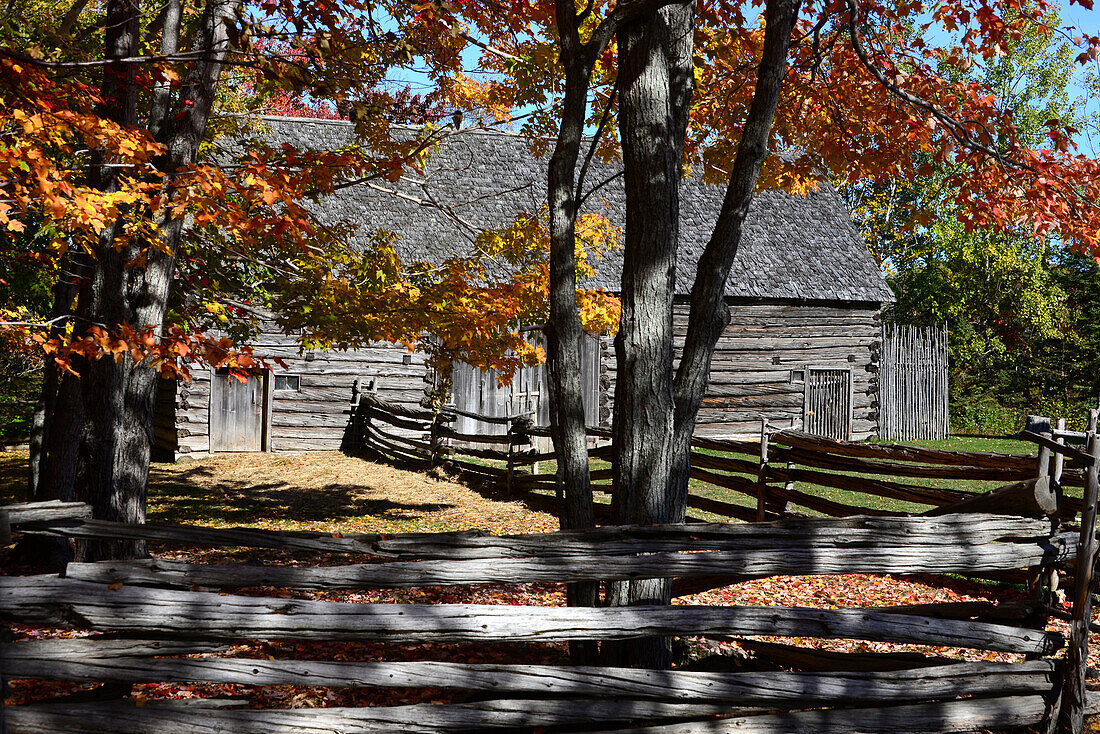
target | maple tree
[
  {"x": 114, "y": 152},
  {"x": 848, "y": 89},
  {"x": 1013, "y": 303}
]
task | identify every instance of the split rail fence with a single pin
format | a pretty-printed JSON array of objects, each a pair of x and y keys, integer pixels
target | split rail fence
[
  {"x": 784, "y": 472},
  {"x": 164, "y": 621}
]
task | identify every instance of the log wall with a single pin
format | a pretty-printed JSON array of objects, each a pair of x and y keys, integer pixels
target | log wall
[
  {"x": 313, "y": 418},
  {"x": 759, "y": 362},
  {"x": 758, "y": 372}
]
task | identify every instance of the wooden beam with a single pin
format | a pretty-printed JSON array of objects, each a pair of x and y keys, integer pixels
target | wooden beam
[
  {"x": 1030, "y": 498},
  {"x": 194, "y": 718},
  {"x": 1072, "y": 453},
  {"x": 781, "y": 559},
  {"x": 1073, "y": 691},
  {"x": 206, "y": 615},
  {"x": 49, "y": 511},
  {"x": 40, "y": 660},
  {"x": 856, "y": 530},
  {"x": 798, "y": 439},
  {"x": 970, "y": 715}
]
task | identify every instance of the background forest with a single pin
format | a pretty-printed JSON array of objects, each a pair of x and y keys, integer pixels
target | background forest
[{"x": 1022, "y": 312}]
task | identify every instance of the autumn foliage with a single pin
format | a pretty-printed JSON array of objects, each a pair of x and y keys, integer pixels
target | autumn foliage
[{"x": 867, "y": 97}]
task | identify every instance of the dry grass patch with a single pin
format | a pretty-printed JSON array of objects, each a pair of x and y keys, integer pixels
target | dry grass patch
[{"x": 328, "y": 491}]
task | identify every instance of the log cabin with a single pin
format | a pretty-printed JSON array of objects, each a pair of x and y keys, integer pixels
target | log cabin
[{"x": 801, "y": 350}]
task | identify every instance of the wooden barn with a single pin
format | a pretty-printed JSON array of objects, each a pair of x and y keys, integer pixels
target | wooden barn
[{"x": 802, "y": 350}]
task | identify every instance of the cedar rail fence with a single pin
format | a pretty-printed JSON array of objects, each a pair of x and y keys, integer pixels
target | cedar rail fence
[{"x": 157, "y": 616}]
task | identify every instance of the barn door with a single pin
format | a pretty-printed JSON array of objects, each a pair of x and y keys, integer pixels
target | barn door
[
  {"x": 827, "y": 403},
  {"x": 236, "y": 412}
]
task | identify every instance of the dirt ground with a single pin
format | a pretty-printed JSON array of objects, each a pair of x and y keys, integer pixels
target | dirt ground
[{"x": 328, "y": 491}]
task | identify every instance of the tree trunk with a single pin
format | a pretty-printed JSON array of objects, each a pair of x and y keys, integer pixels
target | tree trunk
[
  {"x": 655, "y": 88},
  {"x": 563, "y": 330},
  {"x": 100, "y": 438},
  {"x": 709, "y": 314},
  {"x": 74, "y": 268}
]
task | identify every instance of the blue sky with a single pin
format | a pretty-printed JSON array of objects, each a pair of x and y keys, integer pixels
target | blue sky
[{"x": 1073, "y": 15}]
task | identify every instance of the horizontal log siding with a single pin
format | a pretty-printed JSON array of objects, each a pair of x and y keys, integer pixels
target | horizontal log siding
[
  {"x": 312, "y": 419},
  {"x": 747, "y": 383}
]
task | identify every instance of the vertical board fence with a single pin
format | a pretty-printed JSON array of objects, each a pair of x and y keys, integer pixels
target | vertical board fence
[{"x": 913, "y": 393}]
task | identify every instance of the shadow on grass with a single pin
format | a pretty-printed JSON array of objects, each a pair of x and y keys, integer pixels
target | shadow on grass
[{"x": 199, "y": 494}]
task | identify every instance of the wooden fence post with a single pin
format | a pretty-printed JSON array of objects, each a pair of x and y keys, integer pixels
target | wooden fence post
[
  {"x": 434, "y": 439},
  {"x": 762, "y": 475},
  {"x": 1073, "y": 688},
  {"x": 356, "y": 418},
  {"x": 1038, "y": 576},
  {"x": 1059, "y": 459},
  {"x": 511, "y": 444}
]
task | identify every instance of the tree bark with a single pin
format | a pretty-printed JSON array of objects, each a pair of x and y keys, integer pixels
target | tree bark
[
  {"x": 563, "y": 330},
  {"x": 655, "y": 89}
]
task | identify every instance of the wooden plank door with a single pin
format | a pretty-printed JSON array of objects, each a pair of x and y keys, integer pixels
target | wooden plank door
[
  {"x": 827, "y": 403},
  {"x": 236, "y": 412}
]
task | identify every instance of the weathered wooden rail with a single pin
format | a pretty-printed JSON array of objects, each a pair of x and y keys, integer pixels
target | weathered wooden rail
[
  {"x": 781, "y": 474},
  {"x": 160, "y": 615}
]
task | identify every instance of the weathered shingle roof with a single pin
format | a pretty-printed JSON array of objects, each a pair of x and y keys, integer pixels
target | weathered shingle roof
[{"x": 794, "y": 247}]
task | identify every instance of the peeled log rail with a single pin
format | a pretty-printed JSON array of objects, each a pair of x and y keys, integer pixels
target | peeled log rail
[
  {"x": 751, "y": 448},
  {"x": 1072, "y": 453},
  {"x": 41, "y": 660},
  {"x": 474, "y": 437},
  {"x": 397, "y": 446},
  {"x": 191, "y": 717},
  {"x": 949, "y": 717},
  {"x": 877, "y": 487},
  {"x": 394, "y": 420},
  {"x": 1030, "y": 498},
  {"x": 718, "y": 507},
  {"x": 802, "y": 440},
  {"x": 403, "y": 411},
  {"x": 206, "y": 615},
  {"x": 728, "y": 481},
  {"x": 724, "y": 463},
  {"x": 811, "y": 659},
  {"x": 855, "y": 530},
  {"x": 825, "y": 506},
  {"x": 780, "y": 559},
  {"x": 27, "y": 512}
]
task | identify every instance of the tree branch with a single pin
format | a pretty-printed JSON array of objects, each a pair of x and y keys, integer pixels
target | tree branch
[
  {"x": 592, "y": 150},
  {"x": 709, "y": 315}
]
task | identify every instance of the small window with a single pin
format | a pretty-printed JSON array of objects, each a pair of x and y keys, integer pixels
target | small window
[{"x": 288, "y": 383}]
